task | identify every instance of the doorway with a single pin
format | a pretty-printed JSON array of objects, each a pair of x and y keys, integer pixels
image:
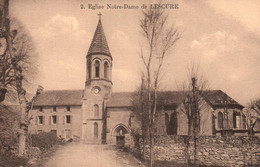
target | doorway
[
  {"x": 119, "y": 135},
  {"x": 120, "y": 141}
]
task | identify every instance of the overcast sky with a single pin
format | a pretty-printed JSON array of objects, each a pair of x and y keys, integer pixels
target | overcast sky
[{"x": 224, "y": 36}]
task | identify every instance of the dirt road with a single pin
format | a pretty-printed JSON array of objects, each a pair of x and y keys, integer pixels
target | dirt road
[{"x": 85, "y": 155}]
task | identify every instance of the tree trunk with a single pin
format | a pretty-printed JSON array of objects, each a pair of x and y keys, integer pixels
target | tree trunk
[
  {"x": 151, "y": 146},
  {"x": 23, "y": 122},
  {"x": 143, "y": 147}
]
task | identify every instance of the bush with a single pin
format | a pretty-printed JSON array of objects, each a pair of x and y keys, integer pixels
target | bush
[
  {"x": 8, "y": 159},
  {"x": 43, "y": 140},
  {"x": 33, "y": 152}
]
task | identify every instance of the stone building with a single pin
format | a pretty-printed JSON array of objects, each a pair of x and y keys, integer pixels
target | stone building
[
  {"x": 98, "y": 115},
  {"x": 219, "y": 115}
]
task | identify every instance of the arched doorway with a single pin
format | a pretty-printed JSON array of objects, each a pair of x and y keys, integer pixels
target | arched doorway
[{"x": 119, "y": 134}]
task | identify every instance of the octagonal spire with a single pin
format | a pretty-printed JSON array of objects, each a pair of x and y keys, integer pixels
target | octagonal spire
[{"x": 99, "y": 43}]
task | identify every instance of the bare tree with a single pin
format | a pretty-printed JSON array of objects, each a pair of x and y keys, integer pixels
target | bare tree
[
  {"x": 193, "y": 91},
  {"x": 159, "y": 39},
  {"x": 253, "y": 115},
  {"x": 16, "y": 61}
]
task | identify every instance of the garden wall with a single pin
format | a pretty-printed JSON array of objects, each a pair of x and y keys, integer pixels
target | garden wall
[{"x": 211, "y": 150}]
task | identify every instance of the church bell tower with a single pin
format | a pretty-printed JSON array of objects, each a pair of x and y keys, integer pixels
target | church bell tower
[{"x": 98, "y": 87}]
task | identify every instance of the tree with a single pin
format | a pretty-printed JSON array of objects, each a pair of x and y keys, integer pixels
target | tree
[
  {"x": 17, "y": 62},
  {"x": 139, "y": 102},
  {"x": 159, "y": 40},
  {"x": 192, "y": 92},
  {"x": 253, "y": 115}
]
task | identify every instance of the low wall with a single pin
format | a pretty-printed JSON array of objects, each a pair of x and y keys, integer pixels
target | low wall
[{"x": 211, "y": 150}]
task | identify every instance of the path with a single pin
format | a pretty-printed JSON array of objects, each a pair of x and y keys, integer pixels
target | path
[{"x": 85, "y": 155}]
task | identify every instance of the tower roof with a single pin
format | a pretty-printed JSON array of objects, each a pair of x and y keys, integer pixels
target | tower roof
[{"x": 99, "y": 43}]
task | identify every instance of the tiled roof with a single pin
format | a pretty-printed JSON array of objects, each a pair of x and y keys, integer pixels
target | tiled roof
[
  {"x": 120, "y": 99},
  {"x": 59, "y": 97},
  {"x": 216, "y": 98},
  {"x": 99, "y": 43},
  {"x": 172, "y": 98},
  {"x": 124, "y": 99}
]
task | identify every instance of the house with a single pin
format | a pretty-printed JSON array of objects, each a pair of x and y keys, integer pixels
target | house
[{"x": 98, "y": 115}]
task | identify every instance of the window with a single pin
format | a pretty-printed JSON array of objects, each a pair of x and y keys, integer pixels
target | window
[
  {"x": 97, "y": 66},
  {"x": 68, "y": 119},
  {"x": 54, "y": 109},
  {"x": 106, "y": 70},
  {"x": 68, "y": 108},
  {"x": 96, "y": 110},
  {"x": 236, "y": 119},
  {"x": 244, "y": 121},
  {"x": 220, "y": 120},
  {"x": 95, "y": 130},
  {"x": 89, "y": 69},
  {"x": 41, "y": 119},
  {"x": 54, "y": 119},
  {"x": 41, "y": 109},
  {"x": 172, "y": 127},
  {"x": 167, "y": 121}
]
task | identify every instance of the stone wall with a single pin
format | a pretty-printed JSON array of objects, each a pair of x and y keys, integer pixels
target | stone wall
[{"x": 211, "y": 150}]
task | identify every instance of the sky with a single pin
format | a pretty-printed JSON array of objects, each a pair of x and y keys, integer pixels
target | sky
[{"x": 223, "y": 37}]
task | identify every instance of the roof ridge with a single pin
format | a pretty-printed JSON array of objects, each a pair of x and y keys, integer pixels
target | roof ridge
[{"x": 53, "y": 90}]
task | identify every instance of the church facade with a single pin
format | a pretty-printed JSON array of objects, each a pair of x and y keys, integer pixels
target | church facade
[{"x": 98, "y": 115}]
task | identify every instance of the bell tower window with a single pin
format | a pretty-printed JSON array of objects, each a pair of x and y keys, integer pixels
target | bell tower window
[
  {"x": 97, "y": 68},
  {"x": 106, "y": 70}
]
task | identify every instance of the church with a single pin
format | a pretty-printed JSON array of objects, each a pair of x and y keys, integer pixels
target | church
[{"x": 99, "y": 115}]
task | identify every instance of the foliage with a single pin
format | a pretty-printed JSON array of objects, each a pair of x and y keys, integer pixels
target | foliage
[
  {"x": 33, "y": 152},
  {"x": 19, "y": 55},
  {"x": 43, "y": 140},
  {"x": 8, "y": 128},
  {"x": 11, "y": 160}
]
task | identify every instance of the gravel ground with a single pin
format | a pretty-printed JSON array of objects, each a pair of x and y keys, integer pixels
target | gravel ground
[{"x": 85, "y": 155}]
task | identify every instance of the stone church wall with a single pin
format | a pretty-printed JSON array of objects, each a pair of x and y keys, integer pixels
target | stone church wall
[
  {"x": 117, "y": 117},
  {"x": 212, "y": 150}
]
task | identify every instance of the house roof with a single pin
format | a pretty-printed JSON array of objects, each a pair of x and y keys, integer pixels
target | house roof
[
  {"x": 59, "y": 97},
  {"x": 124, "y": 99},
  {"x": 99, "y": 43}
]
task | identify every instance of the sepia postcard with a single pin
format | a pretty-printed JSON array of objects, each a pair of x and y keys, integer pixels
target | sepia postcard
[{"x": 129, "y": 83}]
